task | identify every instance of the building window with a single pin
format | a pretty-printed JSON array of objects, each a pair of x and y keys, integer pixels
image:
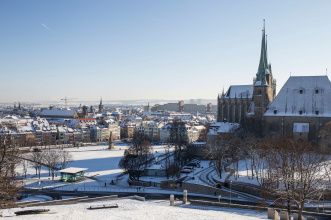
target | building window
[
  {"x": 301, "y": 91},
  {"x": 300, "y": 112},
  {"x": 317, "y": 112},
  {"x": 316, "y": 91},
  {"x": 275, "y": 111}
]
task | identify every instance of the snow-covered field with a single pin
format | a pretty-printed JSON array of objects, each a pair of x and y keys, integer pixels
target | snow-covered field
[
  {"x": 132, "y": 209},
  {"x": 100, "y": 162}
]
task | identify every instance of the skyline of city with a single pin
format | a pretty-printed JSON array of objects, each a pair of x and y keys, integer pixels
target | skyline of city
[{"x": 154, "y": 50}]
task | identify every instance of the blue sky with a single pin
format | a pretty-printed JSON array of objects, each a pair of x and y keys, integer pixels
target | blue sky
[{"x": 174, "y": 49}]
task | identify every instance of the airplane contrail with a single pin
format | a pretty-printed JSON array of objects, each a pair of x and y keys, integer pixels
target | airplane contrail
[{"x": 42, "y": 24}]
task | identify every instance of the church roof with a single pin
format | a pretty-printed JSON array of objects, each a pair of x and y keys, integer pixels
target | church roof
[
  {"x": 244, "y": 91},
  {"x": 304, "y": 96}
]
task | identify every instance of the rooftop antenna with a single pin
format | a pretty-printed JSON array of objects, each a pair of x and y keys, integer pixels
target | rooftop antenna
[
  {"x": 326, "y": 71},
  {"x": 290, "y": 73}
]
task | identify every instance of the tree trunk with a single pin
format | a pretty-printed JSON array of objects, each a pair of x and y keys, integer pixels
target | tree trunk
[
  {"x": 39, "y": 169},
  {"x": 289, "y": 207}
]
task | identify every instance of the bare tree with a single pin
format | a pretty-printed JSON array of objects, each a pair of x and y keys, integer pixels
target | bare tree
[
  {"x": 178, "y": 138},
  {"x": 223, "y": 150},
  {"x": 51, "y": 159},
  {"x": 216, "y": 153},
  {"x": 36, "y": 160},
  {"x": 65, "y": 157},
  {"x": 9, "y": 159},
  {"x": 295, "y": 171},
  {"x": 136, "y": 158}
]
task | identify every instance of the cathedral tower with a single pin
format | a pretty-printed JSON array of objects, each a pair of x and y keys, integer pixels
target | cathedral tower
[
  {"x": 264, "y": 90},
  {"x": 241, "y": 101}
]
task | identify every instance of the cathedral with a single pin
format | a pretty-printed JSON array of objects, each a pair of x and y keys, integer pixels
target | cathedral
[
  {"x": 301, "y": 109},
  {"x": 241, "y": 101}
]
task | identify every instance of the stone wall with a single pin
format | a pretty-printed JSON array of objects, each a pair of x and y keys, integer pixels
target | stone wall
[
  {"x": 195, "y": 188},
  {"x": 277, "y": 125},
  {"x": 245, "y": 188}
]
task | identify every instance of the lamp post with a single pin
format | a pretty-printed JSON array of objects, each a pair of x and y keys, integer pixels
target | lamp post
[
  {"x": 84, "y": 185},
  {"x": 230, "y": 191}
]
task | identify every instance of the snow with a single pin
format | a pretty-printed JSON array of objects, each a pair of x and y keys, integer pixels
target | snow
[
  {"x": 100, "y": 162},
  {"x": 222, "y": 127},
  {"x": 132, "y": 209},
  {"x": 41, "y": 198}
]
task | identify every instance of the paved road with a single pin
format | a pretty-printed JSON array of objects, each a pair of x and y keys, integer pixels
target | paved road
[{"x": 206, "y": 177}]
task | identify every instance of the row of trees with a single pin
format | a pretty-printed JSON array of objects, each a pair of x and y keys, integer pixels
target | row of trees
[
  {"x": 11, "y": 157},
  {"x": 297, "y": 172},
  {"x": 292, "y": 171},
  {"x": 52, "y": 159}
]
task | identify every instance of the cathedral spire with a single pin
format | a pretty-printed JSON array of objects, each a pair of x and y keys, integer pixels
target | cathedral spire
[
  {"x": 263, "y": 65},
  {"x": 101, "y": 101}
]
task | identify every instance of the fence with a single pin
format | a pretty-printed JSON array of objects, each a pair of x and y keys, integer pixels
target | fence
[{"x": 101, "y": 189}]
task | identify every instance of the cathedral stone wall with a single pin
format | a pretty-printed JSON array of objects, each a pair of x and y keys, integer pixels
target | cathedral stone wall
[
  {"x": 233, "y": 110},
  {"x": 278, "y": 125}
]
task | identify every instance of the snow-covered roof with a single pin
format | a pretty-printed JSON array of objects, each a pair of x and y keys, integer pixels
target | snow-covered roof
[
  {"x": 72, "y": 170},
  {"x": 303, "y": 96},
  {"x": 57, "y": 113},
  {"x": 216, "y": 124},
  {"x": 245, "y": 91},
  {"x": 227, "y": 127},
  {"x": 223, "y": 127}
]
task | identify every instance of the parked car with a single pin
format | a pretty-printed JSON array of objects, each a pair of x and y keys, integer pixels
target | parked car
[
  {"x": 188, "y": 167},
  {"x": 36, "y": 149},
  {"x": 186, "y": 171}
]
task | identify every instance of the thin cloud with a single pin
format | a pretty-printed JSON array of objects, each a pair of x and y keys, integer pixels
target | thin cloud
[{"x": 44, "y": 25}]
